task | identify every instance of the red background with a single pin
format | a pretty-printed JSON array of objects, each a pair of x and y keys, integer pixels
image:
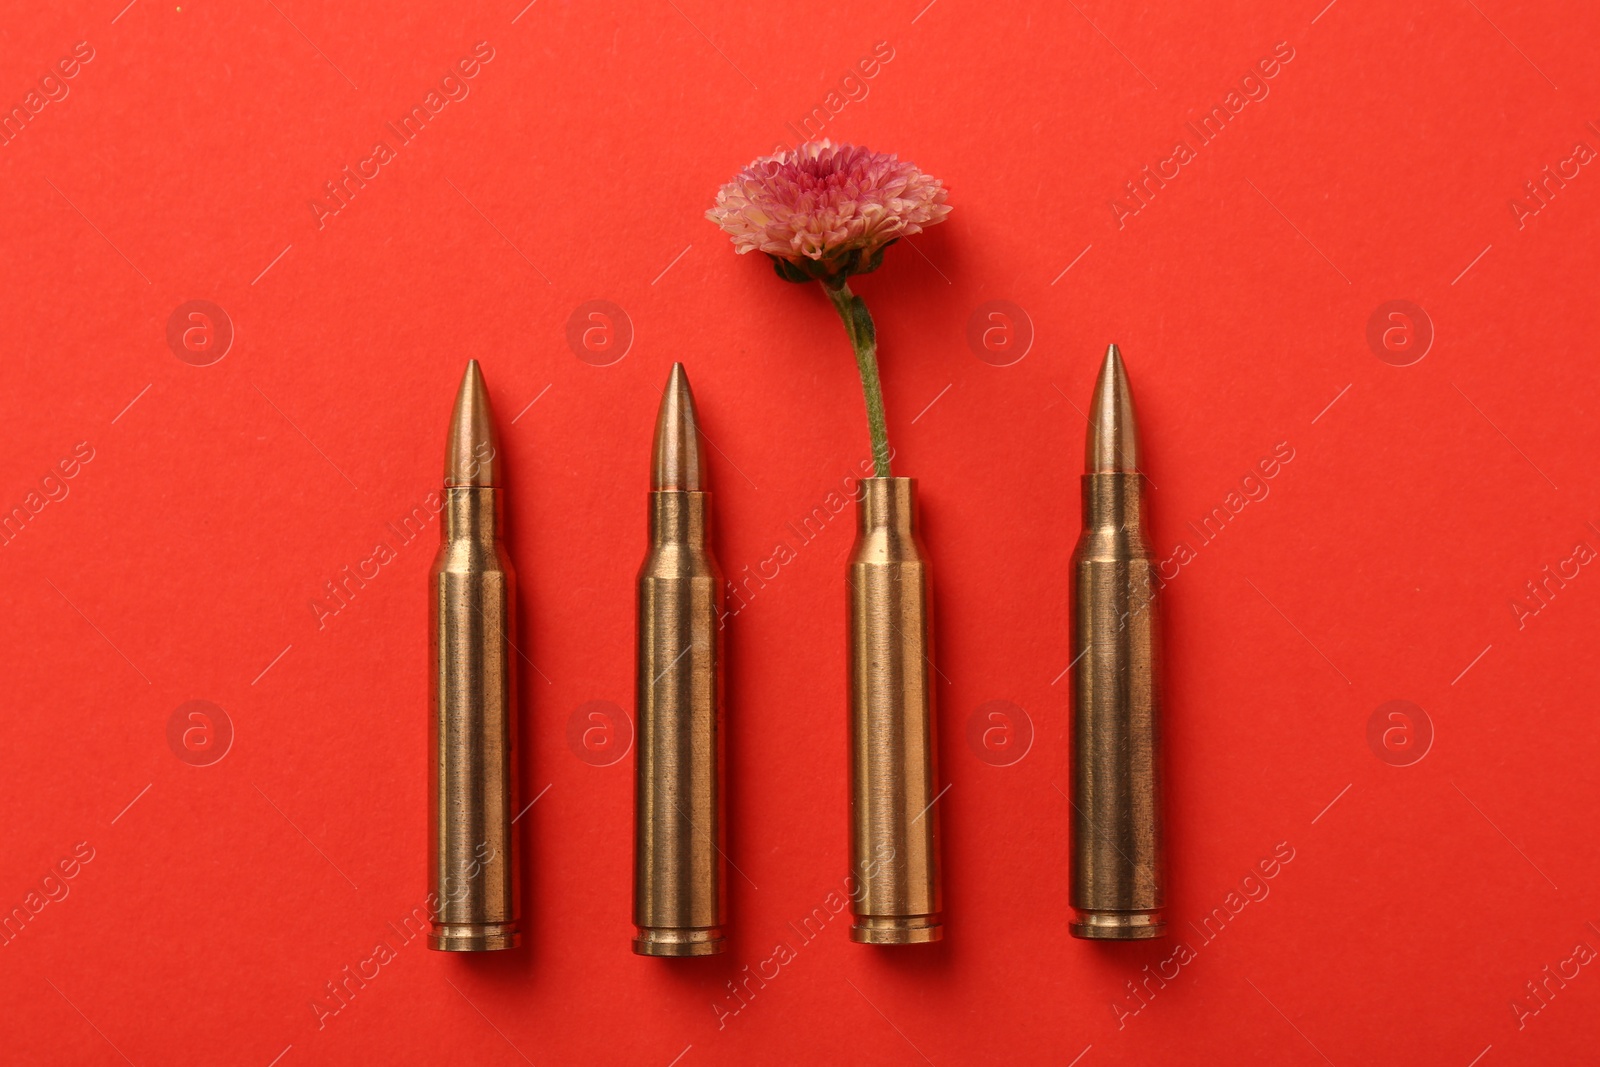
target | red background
[{"x": 1382, "y": 565}]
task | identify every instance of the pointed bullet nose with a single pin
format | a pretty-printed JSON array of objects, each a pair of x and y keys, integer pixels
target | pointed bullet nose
[
  {"x": 1113, "y": 440},
  {"x": 677, "y": 462},
  {"x": 471, "y": 454},
  {"x": 1113, "y": 358}
]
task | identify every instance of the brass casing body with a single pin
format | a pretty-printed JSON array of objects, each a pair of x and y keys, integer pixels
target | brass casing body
[
  {"x": 678, "y": 868},
  {"x": 1118, "y": 875},
  {"x": 894, "y": 823},
  {"x": 473, "y": 870}
]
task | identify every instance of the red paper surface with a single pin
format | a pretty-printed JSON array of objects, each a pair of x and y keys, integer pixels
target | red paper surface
[{"x": 209, "y": 504}]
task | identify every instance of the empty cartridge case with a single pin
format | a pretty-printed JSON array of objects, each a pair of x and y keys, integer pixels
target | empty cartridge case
[
  {"x": 894, "y": 822},
  {"x": 678, "y": 865},
  {"x": 1117, "y": 874},
  {"x": 472, "y": 849}
]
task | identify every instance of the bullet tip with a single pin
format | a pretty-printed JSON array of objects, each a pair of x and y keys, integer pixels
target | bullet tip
[
  {"x": 1113, "y": 437},
  {"x": 677, "y": 462},
  {"x": 471, "y": 453}
]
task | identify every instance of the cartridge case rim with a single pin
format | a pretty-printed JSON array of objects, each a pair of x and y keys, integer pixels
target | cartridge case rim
[
  {"x": 1100, "y": 925},
  {"x": 897, "y": 929},
  {"x": 680, "y": 941},
  {"x": 474, "y": 937}
]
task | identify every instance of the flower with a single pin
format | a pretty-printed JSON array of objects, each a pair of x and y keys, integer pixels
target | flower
[{"x": 824, "y": 211}]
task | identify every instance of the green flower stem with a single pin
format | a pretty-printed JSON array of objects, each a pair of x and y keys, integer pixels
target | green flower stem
[{"x": 864, "y": 339}]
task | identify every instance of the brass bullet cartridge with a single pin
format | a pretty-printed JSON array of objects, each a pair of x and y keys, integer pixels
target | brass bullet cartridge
[
  {"x": 1118, "y": 874},
  {"x": 472, "y": 851},
  {"x": 894, "y": 823},
  {"x": 678, "y": 859}
]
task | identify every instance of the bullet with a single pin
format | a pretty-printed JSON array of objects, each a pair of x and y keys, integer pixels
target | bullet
[
  {"x": 472, "y": 868},
  {"x": 1118, "y": 873},
  {"x": 894, "y": 822},
  {"x": 678, "y": 869}
]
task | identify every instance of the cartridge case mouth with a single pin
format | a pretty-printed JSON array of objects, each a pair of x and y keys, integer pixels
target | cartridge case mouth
[
  {"x": 1115, "y": 499},
  {"x": 472, "y": 512},
  {"x": 474, "y": 937},
  {"x": 896, "y": 929},
  {"x": 679, "y": 941},
  {"x": 679, "y": 516},
  {"x": 1118, "y": 925},
  {"x": 888, "y": 504}
]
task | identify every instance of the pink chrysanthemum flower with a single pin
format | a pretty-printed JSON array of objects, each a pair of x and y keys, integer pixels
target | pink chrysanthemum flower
[{"x": 824, "y": 211}]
